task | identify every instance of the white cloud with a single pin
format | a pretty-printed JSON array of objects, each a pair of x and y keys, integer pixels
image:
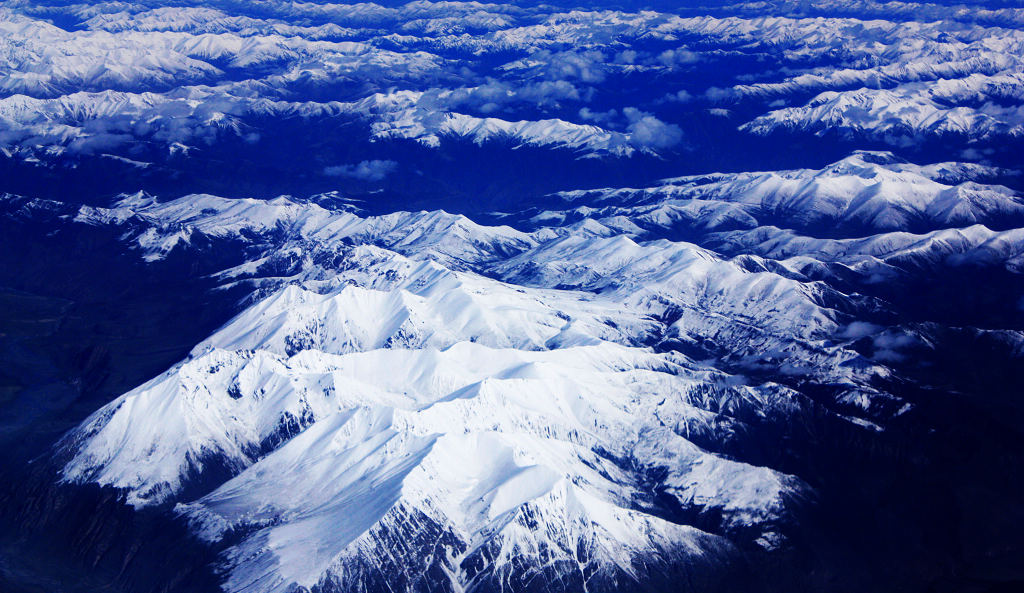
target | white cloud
[
  {"x": 599, "y": 117},
  {"x": 374, "y": 170},
  {"x": 677, "y": 57},
  {"x": 648, "y": 131}
]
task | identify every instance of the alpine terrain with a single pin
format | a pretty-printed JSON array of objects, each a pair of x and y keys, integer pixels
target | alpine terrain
[{"x": 459, "y": 297}]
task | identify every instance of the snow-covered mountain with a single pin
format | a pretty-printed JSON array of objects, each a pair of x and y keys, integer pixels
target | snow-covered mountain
[
  {"x": 899, "y": 115},
  {"x": 974, "y": 244},
  {"x": 740, "y": 305},
  {"x": 363, "y": 401},
  {"x": 891, "y": 80},
  {"x": 867, "y": 191},
  {"x": 421, "y": 400},
  {"x": 442, "y": 297},
  {"x": 486, "y": 424},
  {"x": 500, "y": 429},
  {"x": 196, "y": 115},
  {"x": 360, "y": 391},
  {"x": 160, "y": 227}
]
